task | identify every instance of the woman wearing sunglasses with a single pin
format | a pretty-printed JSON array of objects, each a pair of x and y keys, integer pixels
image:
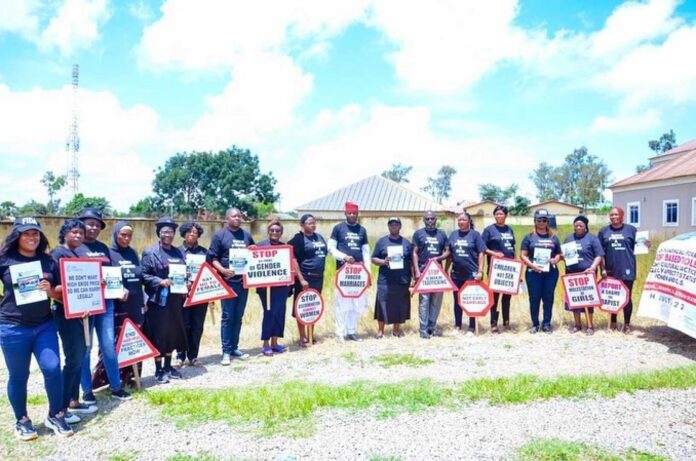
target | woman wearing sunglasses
[{"x": 541, "y": 252}]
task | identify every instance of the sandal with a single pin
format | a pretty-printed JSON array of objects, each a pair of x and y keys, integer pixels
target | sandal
[
  {"x": 279, "y": 348},
  {"x": 379, "y": 335},
  {"x": 195, "y": 363},
  {"x": 576, "y": 328},
  {"x": 267, "y": 351},
  {"x": 627, "y": 329},
  {"x": 494, "y": 330},
  {"x": 589, "y": 332}
]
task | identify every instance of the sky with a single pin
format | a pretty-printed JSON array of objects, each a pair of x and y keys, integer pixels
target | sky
[{"x": 327, "y": 93}]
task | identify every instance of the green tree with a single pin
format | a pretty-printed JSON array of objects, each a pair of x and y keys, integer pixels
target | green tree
[
  {"x": 398, "y": 173},
  {"x": 666, "y": 142},
  {"x": 545, "y": 178},
  {"x": 80, "y": 202},
  {"x": 53, "y": 185},
  {"x": 203, "y": 180},
  {"x": 441, "y": 185},
  {"x": 32, "y": 208},
  {"x": 146, "y": 208},
  {"x": 521, "y": 206},
  {"x": 497, "y": 194},
  {"x": 8, "y": 208}
]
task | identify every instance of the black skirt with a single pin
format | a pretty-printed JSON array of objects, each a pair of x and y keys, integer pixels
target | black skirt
[
  {"x": 393, "y": 303},
  {"x": 164, "y": 325}
]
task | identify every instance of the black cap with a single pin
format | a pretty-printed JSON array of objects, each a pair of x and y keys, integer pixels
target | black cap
[
  {"x": 583, "y": 219},
  {"x": 394, "y": 219},
  {"x": 541, "y": 213},
  {"x": 165, "y": 221},
  {"x": 26, "y": 223},
  {"x": 92, "y": 213}
]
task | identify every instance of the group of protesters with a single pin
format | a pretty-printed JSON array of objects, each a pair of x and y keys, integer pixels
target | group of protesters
[{"x": 34, "y": 328}]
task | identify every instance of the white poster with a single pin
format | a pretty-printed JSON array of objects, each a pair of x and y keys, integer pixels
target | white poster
[
  {"x": 177, "y": 274},
  {"x": 542, "y": 256},
  {"x": 239, "y": 259},
  {"x": 504, "y": 276},
  {"x": 396, "y": 257},
  {"x": 570, "y": 253},
  {"x": 641, "y": 247},
  {"x": 113, "y": 282},
  {"x": 83, "y": 293},
  {"x": 25, "y": 283},
  {"x": 193, "y": 264}
]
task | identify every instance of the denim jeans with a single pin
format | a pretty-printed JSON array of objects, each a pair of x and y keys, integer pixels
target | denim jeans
[
  {"x": 18, "y": 344},
  {"x": 429, "y": 305},
  {"x": 231, "y": 318},
  {"x": 541, "y": 287},
  {"x": 104, "y": 325},
  {"x": 72, "y": 336}
]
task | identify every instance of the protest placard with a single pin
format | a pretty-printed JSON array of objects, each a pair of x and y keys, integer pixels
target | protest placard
[
  {"x": 238, "y": 260},
  {"x": 570, "y": 253},
  {"x": 83, "y": 292},
  {"x": 614, "y": 295},
  {"x": 207, "y": 287},
  {"x": 396, "y": 256},
  {"x": 113, "y": 282},
  {"x": 475, "y": 298},
  {"x": 642, "y": 239},
  {"x": 542, "y": 258},
  {"x": 133, "y": 346},
  {"x": 309, "y": 306},
  {"x": 434, "y": 279},
  {"x": 352, "y": 280},
  {"x": 25, "y": 282},
  {"x": 177, "y": 274},
  {"x": 193, "y": 264},
  {"x": 269, "y": 266},
  {"x": 504, "y": 275},
  {"x": 581, "y": 290}
]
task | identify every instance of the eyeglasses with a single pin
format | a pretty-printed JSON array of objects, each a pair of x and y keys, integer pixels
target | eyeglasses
[
  {"x": 429, "y": 219},
  {"x": 542, "y": 220},
  {"x": 165, "y": 232}
]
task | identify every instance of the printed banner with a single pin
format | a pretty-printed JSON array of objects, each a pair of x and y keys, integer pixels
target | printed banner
[
  {"x": 434, "y": 279},
  {"x": 113, "y": 282},
  {"x": 396, "y": 257},
  {"x": 208, "y": 286},
  {"x": 309, "y": 307},
  {"x": 352, "y": 280},
  {"x": 614, "y": 294},
  {"x": 475, "y": 298},
  {"x": 133, "y": 346},
  {"x": 581, "y": 290},
  {"x": 504, "y": 275},
  {"x": 239, "y": 259},
  {"x": 669, "y": 293},
  {"x": 83, "y": 292},
  {"x": 177, "y": 274},
  {"x": 269, "y": 266},
  {"x": 25, "y": 283}
]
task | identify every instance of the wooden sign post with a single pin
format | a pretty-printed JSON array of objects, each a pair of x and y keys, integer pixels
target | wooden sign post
[{"x": 309, "y": 307}]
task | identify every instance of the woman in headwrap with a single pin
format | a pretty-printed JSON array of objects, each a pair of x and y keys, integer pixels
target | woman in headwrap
[
  {"x": 590, "y": 254},
  {"x": 194, "y": 316},
  {"x": 618, "y": 241},
  {"x": 309, "y": 248},
  {"x": 164, "y": 321}
]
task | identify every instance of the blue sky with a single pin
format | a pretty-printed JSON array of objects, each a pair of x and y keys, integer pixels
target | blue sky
[{"x": 327, "y": 93}]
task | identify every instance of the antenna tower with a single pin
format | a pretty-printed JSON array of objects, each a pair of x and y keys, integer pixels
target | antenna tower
[{"x": 72, "y": 146}]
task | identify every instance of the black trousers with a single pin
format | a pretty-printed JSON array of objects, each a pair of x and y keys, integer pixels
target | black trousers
[
  {"x": 194, "y": 320},
  {"x": 506, "y": 308}
]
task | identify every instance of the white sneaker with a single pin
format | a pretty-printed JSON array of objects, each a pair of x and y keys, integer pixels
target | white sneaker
[
  {"x": 225, "y": 359},
  {"x": 470, "y": 334},
  {"x": 71, "y": 418}
]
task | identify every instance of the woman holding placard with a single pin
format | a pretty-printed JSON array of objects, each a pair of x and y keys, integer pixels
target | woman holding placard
[
  {"x": 583, "y": 253},
  {"x": 393, "y": 254},
  {"x": 500, "y": 243},
  {"x": 28, "y": 276},
  {"x": 541, "y": 252},
  {"x": 309, "y": 249},
  {"x": 194, "y": 316},
  {"x": 164, "y": 274},
  {"x": 467, "y": 252},
  {"x": 273, "y": 324},
  {"x": 618, "y": 240},
  {"x": 71, "y": 237}
]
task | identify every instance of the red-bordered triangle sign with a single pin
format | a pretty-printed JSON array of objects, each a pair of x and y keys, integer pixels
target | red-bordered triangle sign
[
  {"x": 133, "y": 346},
  {"x": 208, "y": 286},
  {"x": 434, "y": 279}
]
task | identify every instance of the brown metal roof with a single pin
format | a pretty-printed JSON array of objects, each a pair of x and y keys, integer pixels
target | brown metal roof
[
  {"x": 375, "y": 193},
  {"x": 682, "y": 165}
]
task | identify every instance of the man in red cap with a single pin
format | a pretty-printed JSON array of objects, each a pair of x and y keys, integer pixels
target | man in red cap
[{"x": 348, "y": 244}]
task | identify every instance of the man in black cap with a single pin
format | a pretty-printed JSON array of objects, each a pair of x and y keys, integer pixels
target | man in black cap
[{"x": 103, "y": 323}]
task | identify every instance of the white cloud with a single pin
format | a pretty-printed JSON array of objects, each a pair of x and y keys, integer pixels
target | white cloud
[
  {"x": 19, "y": 16},
  {"x": 76, "y": 25},
  {"x": 627, "y": 123},
  {"x": 119, "y": 146}
]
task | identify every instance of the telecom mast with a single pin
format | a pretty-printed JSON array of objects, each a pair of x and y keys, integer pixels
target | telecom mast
[{"x": 72, "y": 146}]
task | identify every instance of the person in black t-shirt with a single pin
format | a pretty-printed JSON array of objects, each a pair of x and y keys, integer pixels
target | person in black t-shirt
[{"x": 26, "y": 327}]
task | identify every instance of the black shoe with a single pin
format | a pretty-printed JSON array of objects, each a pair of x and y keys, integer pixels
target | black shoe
[
  {"x": 353, "y": 337},
  {"x": 546, "y": 329},
  {"x": 161, "y": 377},
  {"x": 534, "y": 330},
  {"x": 173, "y": 373},
  {"x": 120, "y": 395},
  {"x": 89, "y": 398},
  {"x": 58, "y": 425},
  {"x": 71, "y": 418},
  {"x": 425, "y": 335},
  {"x": 24, "y": 430},
  {"x": 83, "y": 409}
]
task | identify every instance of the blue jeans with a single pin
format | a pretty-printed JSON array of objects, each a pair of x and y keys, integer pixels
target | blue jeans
[
  {"x": 18, "y": 344},
  {"x": 104, "y": 324},
  {"x": 541, "y": 287},
  {"x": 231, "y": 318},
  {"x": 72, "y": 336}
]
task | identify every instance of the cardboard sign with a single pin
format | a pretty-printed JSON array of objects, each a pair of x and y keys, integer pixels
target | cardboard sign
[
  {"x": 581, "y": 290},
  {"x": 25, "y": 283},
  {"x": 542, "y": 258},
  {"x": 504, "y": 275},
  {"x": 309, "y": 307},
  {"x": 614, "y": 295},
  {"x": 269, "y": 266},
  {"x": 208, "y": 286},
  {"x": 193, "y": 264},
  {"x": 238, "y": 260},
  {"x": 177, "y": 274},
  {"x": 396, "y": 257},
  {"x": 352, "y": 280},
  {"x": 570, "y": 253},
  {"x": 475, "y": 298},
  {"x": 83, "y": 292},
  {"x": 434, "y": 279},
  {"x": 113, "y": 282},
  {"x": 133, "y": 346}
]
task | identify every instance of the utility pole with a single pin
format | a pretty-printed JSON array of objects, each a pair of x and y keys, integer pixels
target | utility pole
[{"x": 72, "y": 146}]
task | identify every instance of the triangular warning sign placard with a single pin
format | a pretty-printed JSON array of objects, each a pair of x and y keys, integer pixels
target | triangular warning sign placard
[
  {"x": 434, "y": 279},
  {"x": 208, "y": 286},
  {"x": 133, "y": 346}
]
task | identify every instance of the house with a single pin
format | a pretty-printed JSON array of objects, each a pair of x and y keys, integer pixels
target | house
[
  {"x": 378, "y": 199},
  {"x": 557, "y": 208},
  {"x": 662, "y": 199},
  {"x": 481, "y": 208}
]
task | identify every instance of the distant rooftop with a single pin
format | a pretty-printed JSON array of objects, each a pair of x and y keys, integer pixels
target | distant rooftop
[{"x": 678, "y": 162}]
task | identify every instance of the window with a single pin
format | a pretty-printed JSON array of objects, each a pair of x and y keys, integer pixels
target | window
[
  {"x": 633, "y": 213},
  {"x": 693, "y": 211},
  {"x": 670, "y": 212}
]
